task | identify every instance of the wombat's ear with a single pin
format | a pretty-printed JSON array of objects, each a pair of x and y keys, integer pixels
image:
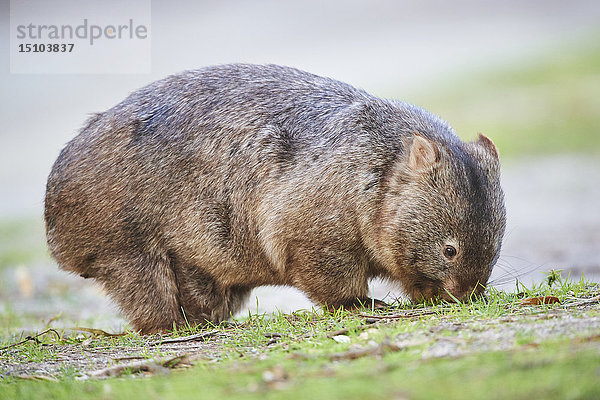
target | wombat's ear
[
  {"x": 423, "y": 153},
  {"x": 487, "y": 144}
]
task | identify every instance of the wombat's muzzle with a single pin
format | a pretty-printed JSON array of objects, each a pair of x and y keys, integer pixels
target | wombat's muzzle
[{"x": 453, "y": 291}]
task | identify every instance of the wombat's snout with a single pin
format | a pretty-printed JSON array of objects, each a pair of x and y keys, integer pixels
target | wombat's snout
[
  {"x": 449, "y": 290},
  {"x": 452, "y": 290}
]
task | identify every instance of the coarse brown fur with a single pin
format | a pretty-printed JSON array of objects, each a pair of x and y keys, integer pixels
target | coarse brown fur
[{"x": 201, "y": 186}]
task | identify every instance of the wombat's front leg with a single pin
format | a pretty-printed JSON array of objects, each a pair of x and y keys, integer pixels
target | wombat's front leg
[
  {"x": 368, "y": 302},
  {"x": 334, "y": 282},
  {"x": 359, "y": 303}
]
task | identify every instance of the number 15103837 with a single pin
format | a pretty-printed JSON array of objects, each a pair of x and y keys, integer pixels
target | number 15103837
[{"x": 46, "y": 48}]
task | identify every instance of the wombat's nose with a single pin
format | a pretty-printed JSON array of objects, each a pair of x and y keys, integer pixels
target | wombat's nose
[
  {"x": 449, "y": 297},
  {"x": 452, "y": 290}
]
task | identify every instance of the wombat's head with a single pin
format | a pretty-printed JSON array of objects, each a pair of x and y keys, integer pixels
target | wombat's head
[{"x": 443, "y": 218}]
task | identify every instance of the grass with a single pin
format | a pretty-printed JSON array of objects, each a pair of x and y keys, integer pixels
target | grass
[
  {"x": 295, "y": 355},
  {"x": 22, "y": 246},
  {"x": 559, "y": 370},
  {"x": 547, "y": 106}
]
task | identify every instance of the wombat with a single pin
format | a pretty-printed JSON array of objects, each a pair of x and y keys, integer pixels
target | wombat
[{"x": 201, "y": 186}]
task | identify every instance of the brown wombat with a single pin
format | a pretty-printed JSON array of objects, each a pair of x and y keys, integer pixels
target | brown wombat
[{"x": 201, "y": 186}]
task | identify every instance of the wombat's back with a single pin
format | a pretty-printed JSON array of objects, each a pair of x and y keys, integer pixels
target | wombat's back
[
  {"x": 229, "y": 132},
  {"x": 213, "y": 133}
]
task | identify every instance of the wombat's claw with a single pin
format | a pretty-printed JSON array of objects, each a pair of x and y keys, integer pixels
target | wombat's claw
[
  {"x": 378, "y": 304},
  {"x": 368, "y": 303}
]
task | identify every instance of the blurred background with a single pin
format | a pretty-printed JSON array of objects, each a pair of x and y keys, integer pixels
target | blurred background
[{"x": 525, "y": 73}]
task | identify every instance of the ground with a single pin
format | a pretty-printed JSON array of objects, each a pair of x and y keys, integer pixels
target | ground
[{"x": 555, "y": 324}]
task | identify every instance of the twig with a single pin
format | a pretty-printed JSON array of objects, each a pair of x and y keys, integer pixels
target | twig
[
  {"x": 190, "y": 338},
  {"x": 129, "y": 358},
  {"x": 583, "y": 301},
  {"x": 156, "y": 365},
  {"x": 37, "y": 378},
  {"x": 29, "y": 338},
  {"x": 98, "y": 332},
  {"x": 343, "y": 331},
  {"x": 397, "y": 316},
  {"x": 52, "y": 319}
]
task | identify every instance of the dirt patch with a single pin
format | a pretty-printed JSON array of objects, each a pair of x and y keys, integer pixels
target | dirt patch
[{"x": 88, "y": 358}]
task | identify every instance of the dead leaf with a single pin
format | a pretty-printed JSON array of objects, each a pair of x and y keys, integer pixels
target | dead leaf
[{"x": 536, "y": 301}]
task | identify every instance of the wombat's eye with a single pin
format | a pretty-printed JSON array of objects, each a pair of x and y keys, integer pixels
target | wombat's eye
[{"x": 449, "y": 251}]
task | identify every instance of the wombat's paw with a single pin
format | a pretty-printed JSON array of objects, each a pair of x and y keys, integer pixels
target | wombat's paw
[
  {"x": 368, "y": 303},
  {"x": 229, "y": 324}
]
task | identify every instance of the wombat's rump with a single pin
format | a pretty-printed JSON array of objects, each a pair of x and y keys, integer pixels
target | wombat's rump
[{"x": 201, "y": 186}]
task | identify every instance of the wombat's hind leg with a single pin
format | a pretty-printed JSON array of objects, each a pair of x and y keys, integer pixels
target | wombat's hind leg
[
  {"x": 203, "y": 300},
  {"x": 145, "y": 288}
]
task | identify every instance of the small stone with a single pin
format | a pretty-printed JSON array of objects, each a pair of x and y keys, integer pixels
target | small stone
[{"x": 341, "y": 339}]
